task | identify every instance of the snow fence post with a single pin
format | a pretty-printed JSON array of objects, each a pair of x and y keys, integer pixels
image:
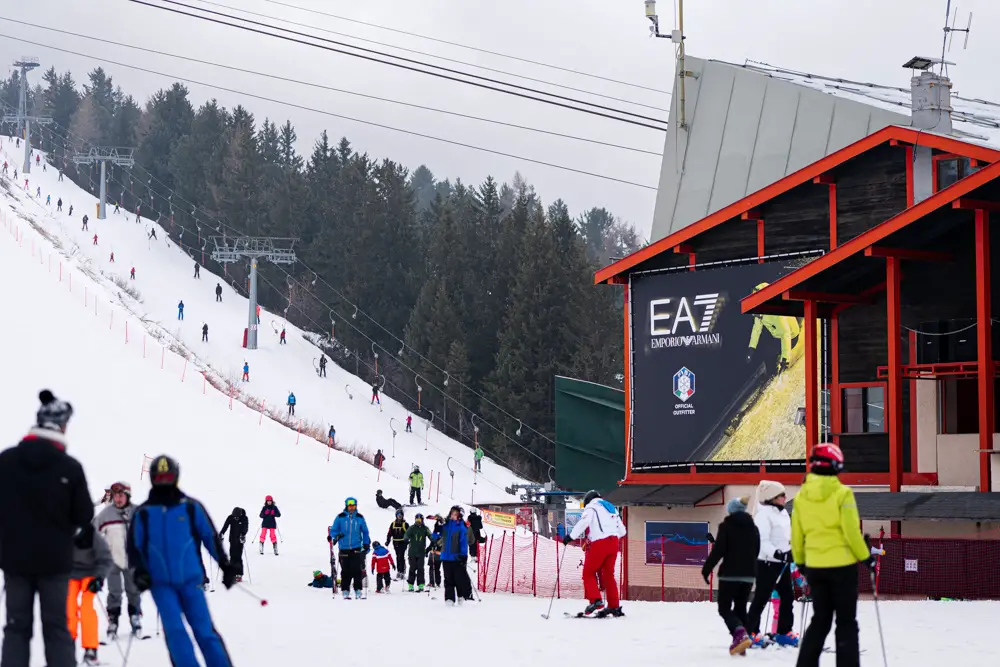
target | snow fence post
[
  {"x": 438, "y": 499},
  {"x": 111, "y": 321},
  {"x": 261, "y": 420},
  {"x": 126, "y": 332},
  {"x": 503, "y": 538},
  {"x": 662, "y": 568},
  {"x": 298, "y": 432},
  {"x": 163, "y": 356},
  {"x": 558, "y": 592},
  {"x": 184, "y": 370},
  {"x": 513, "y": 554},
  {"x": 534, "y": 565}
]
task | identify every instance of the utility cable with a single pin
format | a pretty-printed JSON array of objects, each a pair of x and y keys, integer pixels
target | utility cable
[
  {"x": 431, "y": 55},
  {"x": 453, "y": 74},
  {"x": 337, "y": 115},
  {"x": 464, "y": 46},
  {"x": 336, "y": 90}
]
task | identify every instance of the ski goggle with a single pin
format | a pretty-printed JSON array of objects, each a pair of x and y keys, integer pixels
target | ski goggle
[
  {"x": 118, "y": 487},
  {"x": 351, "y": 502}
]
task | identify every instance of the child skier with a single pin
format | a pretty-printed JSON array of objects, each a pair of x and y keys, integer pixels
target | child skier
[
  {"x": 381, "y": 562},
  {"x": 397, "y": 538},
  {"x": 269, "y": 513},
  {"x": 375, "y": 394},
  {"x": 417, "y": 536},
  {"x": 91, "y": 564},
  {"x": 238, "y": 526},
  {"x": 321, "y": 580},
  {"x": 797, "y": 580},
  {"x": 291, "y": 404},
  {"x": 409, "y": 423},
  {"x": 163, "y": 546},
  {"x": 736, "y": 547},
  {"x": 434, "y": 561}
]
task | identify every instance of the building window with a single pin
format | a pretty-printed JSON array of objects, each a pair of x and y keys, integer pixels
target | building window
[
  {"x": 958, "y": 401},
  {"x": 952, "y": 170},
  {"x": 864, "y": 409}
]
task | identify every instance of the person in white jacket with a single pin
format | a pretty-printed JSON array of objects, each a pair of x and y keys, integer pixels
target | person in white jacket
[
  {"x": 113, "y": 522},
  {"x": 773, "y": 571},
  {"x": 603, "y": 527}
]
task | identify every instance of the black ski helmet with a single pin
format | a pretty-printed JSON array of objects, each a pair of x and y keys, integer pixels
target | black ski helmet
[
  {"x": 164, "y": 471},
  {"x": 590, "y": 496}
]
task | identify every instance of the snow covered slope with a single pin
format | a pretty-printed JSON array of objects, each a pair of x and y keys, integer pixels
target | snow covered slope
[{"x": 164, "y": 277}]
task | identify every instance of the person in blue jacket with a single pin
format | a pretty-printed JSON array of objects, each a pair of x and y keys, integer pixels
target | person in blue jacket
[
  {"x": 164, "y": 550},
  {"x": 350, "y": 532},
  {"x": 180, "y": 310},
  {"x": 291, "y": 404},
  {"x": 454, "y": 557}
]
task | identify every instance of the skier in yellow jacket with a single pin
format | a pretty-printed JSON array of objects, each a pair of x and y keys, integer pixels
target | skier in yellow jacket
[
  {"x": 827, "y": 544},
  {"x": 784, "y": 329}
]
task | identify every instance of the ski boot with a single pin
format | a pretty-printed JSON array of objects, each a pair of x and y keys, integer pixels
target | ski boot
[
  {"x": 206, "y": 584},
  {"x": 113, "y": 624},
  {"x": 760, "y": 640},
  {"x": 357, "y": 595},
  {"x": 275, "y": 545},
  {"x": 461, "y": 601},
  {"x": 791, "y": 640},
  {"x": 593, "y": 607},
  {"x": 136, "y": 620},
  {"x": 449, "y": 603},
  {"x": 90, "y": 657},
  {"x": 239, "y": 579},
  {"x": 610, "y": 611},
  {"x": 347, "y": 594},
  {"x": 420, "y": 588},
  {"x": 410, "y": 588},
  {"x": 741, "y": 642},
  {"x": 261, "y": 548}
]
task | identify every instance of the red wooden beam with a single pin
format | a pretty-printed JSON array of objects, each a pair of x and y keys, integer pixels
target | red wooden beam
[
  {"x": 824, "y": 179},
  {"x": 907, "y": 253},
  {"x": 833, "y": 216},
  {"x": 911, "y": 348},
  {"x": 683, "y": 249},
  {"x": 909, "y": 176},
  {"x": 984, "y": 347},
  {"x": 824, "y": 297},
  {"x": 787, "y": 478},
  {"x": 628, "y": 384},
  {"x": 760, "y": 241},
  {"x": 894, "y": 404},
  {"x": 976, "y": 205},
  {"x": 812, "y": 377},
  {"x": 835, "y": 393},
  {"x": 752, "y": 214}
]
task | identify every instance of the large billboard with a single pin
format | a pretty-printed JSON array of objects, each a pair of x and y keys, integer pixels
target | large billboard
[{"x": 708, "y": 382}]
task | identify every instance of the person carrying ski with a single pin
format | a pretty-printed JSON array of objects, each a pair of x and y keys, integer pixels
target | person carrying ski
[
  {"x": 396, "y": 536},
  {"x": 269, "y": 515},
  {"x": 375, "y": 394},
  {"x": 132, "y": 273},
  {"x": 604, "y": 528},
  {"x": 416, "y": 537},
  {"x": 350, "y": 532},
  {"x": 281, "y": 338},
  {"x": 322, "y": 365},
  {"x": 113, "y": 523},
  {"x": 434, "y": 561},
  {"x": 291, "y": 404},
  {"x": 736, "y": 547},
  {"x": 91, "y": 563},
  {"x": 381, "y": 562},
  {"x": 455, "y": 556},
  {"x": 409, "y": 423},
  {"x": 246, "y": 372},
  {"x": 476, "y": 536},
  {"x": 386, "y": 503},
  {"x": 416, "y": 485},
  {"x": 197, "y": 270},
  {"x": 775, "y": 527},
  {"x": 379, "y": 459},
  {"x": 204, "y": 333},
  {"x": 218, "y": 286},
  {"x": 44, "y": 494},
  {"x": 180, "y": 309},
  {"x": 478, "y": 457},
  {"x": 321, "y": 580},
  {"x": 828, "y": 545},
  {"x": 164, "y": 548},
  {"x": 238, "y": 525}
]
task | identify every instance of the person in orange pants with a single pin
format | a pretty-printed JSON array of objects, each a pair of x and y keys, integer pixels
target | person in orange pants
[
  {"x": 91, "y": 563},
  {"x": 601, "y": 523}
]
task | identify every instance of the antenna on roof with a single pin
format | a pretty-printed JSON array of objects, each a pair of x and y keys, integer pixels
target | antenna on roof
[{"x": 950, "y": 30}]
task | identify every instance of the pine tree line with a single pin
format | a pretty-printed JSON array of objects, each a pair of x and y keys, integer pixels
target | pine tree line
[{"x": 485, "y": 282}]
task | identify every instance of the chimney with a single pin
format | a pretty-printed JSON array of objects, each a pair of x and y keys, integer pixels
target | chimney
[{"x": 930, "y": 104}]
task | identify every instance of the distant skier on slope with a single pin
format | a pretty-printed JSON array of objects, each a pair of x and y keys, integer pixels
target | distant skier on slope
[
  {"x": 281, "y": 338},
  {"x": 113, "y": 261},
  {"x": 269, "y": 515},
  {"x": 409, "y": 423},
  {"x": 197, "y": 271},
  {"x": 386, "y": 503},
  {"x": 238, "y": 526},
  {"x": 117, "y": 209},
  {"x": 85, "y": 221},
  {"x": 48, "y": 200},
  {"x": 375, "y": 393},
  {"x": 379, "y": 459},
  {"x": 71, "y": 210},
  {"x": 332, "y": 436},
  {"x": 218, "y": 286},
  {"x": 132, "y": 274},
  {"x": 95, "y": 239},
  {"x": 152, "y": 233},
  {"x": 416, "y": 485},
  {"x": 350, "y": 532},
  {"x": 381, "y": 562},
  {"x": 59, "y": 205},
  {"x": 736, "y": 547},
  {"x": 322, "y": 366},
  {"x": 603, "y": 526},
  {"x": 204, "y": 333},
  {"x": 180, "y": 310},
  {"x": 291, "y": 404},
  {"x": 396, "y": 536},
  {"x": 246, "y": 372}
]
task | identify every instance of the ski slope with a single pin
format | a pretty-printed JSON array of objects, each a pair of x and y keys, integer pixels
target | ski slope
[{"x": 164, "y": 277}]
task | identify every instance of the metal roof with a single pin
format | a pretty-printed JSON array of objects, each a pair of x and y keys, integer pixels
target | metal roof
[
  {"x": 677, "y": 495},
  {"x": 909, "y": 505}
]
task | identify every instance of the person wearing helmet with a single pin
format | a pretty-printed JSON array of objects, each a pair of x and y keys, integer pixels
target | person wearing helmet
[
  {"x": 240, "y": 525},
  {"x": 416, "y": 485},
  {"x": 113, "y": 523},
  {"x": 397, "y": 538},
  {"x": 381, "y": 563},
  {"x": 416, "y": 537},
  {"x": 350, "y": 532},
  {"x": 775, "y": 528},
  {"x": 43, "y": 491},
  {"x": 828, "y": 545},
  {"x": 476, "y": 535},
  {"x": 164, "y": 545},
  {"x": 603, "y": 526},
  {"x": 783, "y": 329},
  {"x": 269, "y": 522},
  {"x": 386, "y": 503},
  {"x": 455, "y": 557}
]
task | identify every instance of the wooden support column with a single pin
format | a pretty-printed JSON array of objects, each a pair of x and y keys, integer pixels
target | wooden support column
[
  {"x": 628, "y": 385},
  {"x": 827, "y": 180},
  {"x": 984, "y": 347},
  {"x": 836, "y": 396},
  {"x": 909, "y": 176},
  {"x": 914, "y": 422},
  {"x": 760, "y": 241},
  {"x": 894, "y": 404},
  {"x": 812, "y": 379}
]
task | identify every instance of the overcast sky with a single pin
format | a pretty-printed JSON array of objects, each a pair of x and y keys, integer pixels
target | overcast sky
[{"x": 853, "y": 39}]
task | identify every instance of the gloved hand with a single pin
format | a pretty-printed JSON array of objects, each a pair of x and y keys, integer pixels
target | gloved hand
[
  {"x": 329, "y": 539},
  {"x": 366, "y": 548},
  {"x": 95, "y": 585},
  {"x": 463, "y": 560},
  {"x": 705, "y": 576},
  {"x": 870, "y": 563},
  {"x": 243, "y": 539},
  {"x": 142, "y": 580},
  {"x": 783, "y": 556},
  {"x": 567, "y": 539},
  {"x": 228, "y": 575}
]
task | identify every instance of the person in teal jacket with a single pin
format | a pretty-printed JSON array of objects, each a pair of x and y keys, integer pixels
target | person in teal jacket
[{"x": 350, "y": 532}]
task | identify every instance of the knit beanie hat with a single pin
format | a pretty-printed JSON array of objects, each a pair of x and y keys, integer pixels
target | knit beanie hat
[
  {"x": 766, "y": 490},
  {"x": 736, "y": 505},
  {"x": 54, "y": 414}
]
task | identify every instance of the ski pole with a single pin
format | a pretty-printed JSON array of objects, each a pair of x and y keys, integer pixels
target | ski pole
[
  {"x": 247, "y": 591},
  {"x": 279, "y": 534},
  {"x": 552, "y": 598},
  {"x": 128, "y": 649},
  {"x": 474, "y": 591},
  {"x": 157, "y": 622},
  {"x": 878, "y": 618},
  {"x": 246, "y": 561},
  {"x": 117, "y": 645}
]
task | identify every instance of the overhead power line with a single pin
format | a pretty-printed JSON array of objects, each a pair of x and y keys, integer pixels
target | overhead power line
[
  {"x": 464, "y": 46},
  {"x": 412, "y": 65},
  {"x": 333, "y": 89},
  {"x": 431, "y": 55},
  {"x": 336, "y": 115}
]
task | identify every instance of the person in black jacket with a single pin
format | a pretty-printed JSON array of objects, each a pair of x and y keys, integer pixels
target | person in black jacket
[
  {"x": 240, "y": 525},
  {"x": 476, "y": 536},
  {"x": 46, "y": 502},
  {"x": 736, "y": 546},
  {"x": 397, "y": 538},
  {"x": 386, "y": 503}
]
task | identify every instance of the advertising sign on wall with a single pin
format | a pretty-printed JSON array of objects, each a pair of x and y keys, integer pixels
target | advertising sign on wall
[
  {"x": 500, "y": 519},
  {"x": 708, "y": 382},
  {"x": 676, "y": 543}
]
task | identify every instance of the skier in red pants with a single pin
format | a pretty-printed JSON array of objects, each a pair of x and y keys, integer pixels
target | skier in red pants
[{"x": 603, "y": 526}]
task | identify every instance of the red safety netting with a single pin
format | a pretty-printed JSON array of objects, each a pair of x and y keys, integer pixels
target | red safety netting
[{"x": 937, "y": 568}]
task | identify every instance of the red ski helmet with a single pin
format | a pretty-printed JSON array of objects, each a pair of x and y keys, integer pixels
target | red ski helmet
[{"x": 826, "y": 457}]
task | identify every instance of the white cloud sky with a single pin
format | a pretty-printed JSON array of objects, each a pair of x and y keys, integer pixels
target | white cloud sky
[{"x": 852, "y": 39}]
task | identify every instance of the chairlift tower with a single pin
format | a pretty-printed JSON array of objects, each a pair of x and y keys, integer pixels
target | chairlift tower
[
  {"x": 23, "y": 120},
  {"x": 119, "y": 156},
  {"x": 253, "y": 248}
]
